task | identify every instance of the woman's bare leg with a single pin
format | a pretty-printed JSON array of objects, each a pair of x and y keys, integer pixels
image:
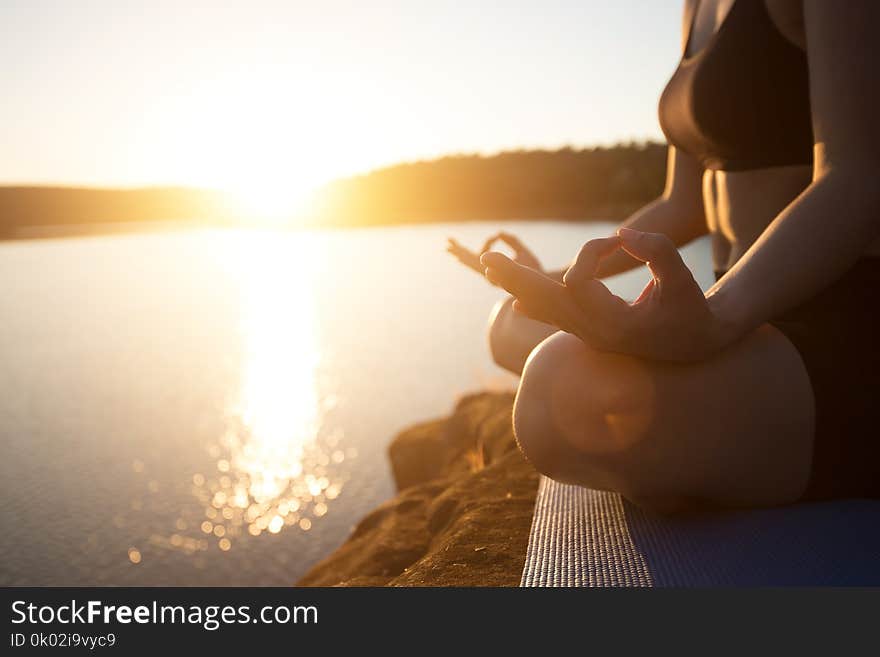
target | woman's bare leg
[
  {"x": 513, "y": 336},
  {"x": 735, "y": 430}
]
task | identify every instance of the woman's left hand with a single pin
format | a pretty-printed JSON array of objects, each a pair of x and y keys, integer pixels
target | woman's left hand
[
  {"x": 671, "y": 319},
  {"x": 522, "y": 255}
]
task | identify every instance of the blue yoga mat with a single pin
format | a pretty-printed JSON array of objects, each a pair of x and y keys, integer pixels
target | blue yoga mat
[{"x": 583, "y": 537}]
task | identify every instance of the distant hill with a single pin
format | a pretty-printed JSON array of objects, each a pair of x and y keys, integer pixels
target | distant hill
[
  {"x": 563, "y": 184},
  {"x": 568, "y": 184},
  {"x": 60, "y": 207}
]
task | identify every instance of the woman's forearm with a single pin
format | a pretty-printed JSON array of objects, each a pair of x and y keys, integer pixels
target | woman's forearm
[
  {"x": 813, "y": 242},
  {"x": 663, "y": 215},
  {"x": 677, "y": 221}
]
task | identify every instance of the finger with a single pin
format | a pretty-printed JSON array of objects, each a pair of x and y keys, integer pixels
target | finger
[
  {"x": 658, "y": 251},
  {"x": 588, "y": 258},
  {"x": 544, "y": 298},
  {"x": 607, "y": 312},
  {"x": 513, "y": 242},
  {"x": 539, "y": 315},
  {"x": 564, "y": 320},
  {"x": 523, "y": 254},
  {"x": 520, "y": 307},
  {"x": 520, "y": 281},
  {"x": 453, "y": 246},
  {"x": 456, "y": 249},
  {"x": 646, "y": 292},
  {"x": 464, "y": 256},
  {"x": 489, "y": 242}
]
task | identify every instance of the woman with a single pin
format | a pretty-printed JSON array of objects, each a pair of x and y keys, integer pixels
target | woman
[{"x": 760, "y": 391}]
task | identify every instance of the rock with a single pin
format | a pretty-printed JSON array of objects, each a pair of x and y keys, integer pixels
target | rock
[
  {"x": 418, "y": 454},
  {"x": 462, "y": 516},
  {"x": 478, "y": 432}
]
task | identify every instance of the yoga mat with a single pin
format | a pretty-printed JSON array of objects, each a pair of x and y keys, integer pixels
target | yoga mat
[{"x": 583, "y": 537}]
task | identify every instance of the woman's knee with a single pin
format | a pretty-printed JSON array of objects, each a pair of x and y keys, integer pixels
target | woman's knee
[
  {"x": 543, "y": 412},
  {"x": 499, "y": 332},
  {"x": 512, "y": 336},
  {"x": 582, "y": 416}
]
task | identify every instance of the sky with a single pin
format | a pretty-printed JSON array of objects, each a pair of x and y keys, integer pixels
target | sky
[{"x": 261, "y": 93}]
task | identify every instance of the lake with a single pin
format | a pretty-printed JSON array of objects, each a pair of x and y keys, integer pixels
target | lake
[{"x": 212, "y": 407}]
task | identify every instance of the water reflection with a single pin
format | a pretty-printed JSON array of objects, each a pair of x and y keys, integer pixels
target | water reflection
[{"x": 277, "y": 466}]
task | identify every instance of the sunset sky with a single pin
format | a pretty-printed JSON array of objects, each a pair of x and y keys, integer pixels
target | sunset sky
[{"x": 260, "y": 93}]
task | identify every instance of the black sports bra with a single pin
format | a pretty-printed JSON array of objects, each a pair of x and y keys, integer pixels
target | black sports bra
[{"x": 742, "y": 102}]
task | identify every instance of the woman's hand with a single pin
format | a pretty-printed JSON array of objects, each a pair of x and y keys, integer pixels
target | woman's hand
[
  {"x": 671, "y": 319},
  {"x": 522, "y": 255}
]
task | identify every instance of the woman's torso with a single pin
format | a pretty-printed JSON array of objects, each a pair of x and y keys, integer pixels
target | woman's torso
[{"x": 741, "y": 203}]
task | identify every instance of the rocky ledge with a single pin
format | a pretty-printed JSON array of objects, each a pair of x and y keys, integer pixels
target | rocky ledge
[{"x": 463, "y": 513}]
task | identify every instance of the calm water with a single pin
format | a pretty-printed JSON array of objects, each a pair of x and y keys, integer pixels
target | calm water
[{"x": 213, "y": 407}]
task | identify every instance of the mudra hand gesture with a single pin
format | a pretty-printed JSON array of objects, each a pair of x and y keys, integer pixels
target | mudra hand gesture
[
  {"x": 670, "y": 320},
  {"x": 522, "y": 255}
]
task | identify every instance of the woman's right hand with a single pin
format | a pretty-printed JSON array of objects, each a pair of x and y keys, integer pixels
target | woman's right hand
[
  {"x": 671, "y": 320},
  {"x": 522, "y": 255}
]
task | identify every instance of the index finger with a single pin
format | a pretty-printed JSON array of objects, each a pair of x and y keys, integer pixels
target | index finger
[
  {"x": 588, "y": 258},
  {"x": 489, "y": 242},
  {"x": 543, "y": 296}
]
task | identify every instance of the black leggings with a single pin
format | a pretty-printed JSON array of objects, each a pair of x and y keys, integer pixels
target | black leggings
[{"x": 837, "y": 334}]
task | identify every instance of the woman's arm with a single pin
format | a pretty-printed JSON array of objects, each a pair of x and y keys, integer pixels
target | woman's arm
[
  {"x": 829, "y": 226},
  {"x": 678, "y": 213},
  {"x": 809, "y": 245}
]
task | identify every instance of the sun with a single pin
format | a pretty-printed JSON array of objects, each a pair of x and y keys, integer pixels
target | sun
[
  {"x": 266, "y": 201},
  {"x": 258, "y": 140}
]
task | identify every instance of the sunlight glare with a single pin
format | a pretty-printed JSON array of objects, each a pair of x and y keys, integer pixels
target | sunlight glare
[
  {"x": 261, "y": 141},
  {"x": 263, "y": 201},
  {"x": 272, "y": 464},
  {"x": 279, "y": 402}
]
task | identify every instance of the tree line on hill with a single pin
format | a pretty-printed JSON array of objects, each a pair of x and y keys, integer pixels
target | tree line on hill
[
  {"x": 566, "y": 184},
  {"x": 28, "y": 207}
]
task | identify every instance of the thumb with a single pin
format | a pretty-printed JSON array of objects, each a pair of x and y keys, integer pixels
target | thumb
[{"x": 658, "y": 251}]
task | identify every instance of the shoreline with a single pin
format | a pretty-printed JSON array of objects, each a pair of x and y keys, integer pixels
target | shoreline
[
  {"x": 108, "y": 229},
  {"x": 462, "y": 514}
]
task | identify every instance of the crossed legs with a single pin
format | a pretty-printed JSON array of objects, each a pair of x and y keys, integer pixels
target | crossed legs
[{"x": 734, "y": 430}]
